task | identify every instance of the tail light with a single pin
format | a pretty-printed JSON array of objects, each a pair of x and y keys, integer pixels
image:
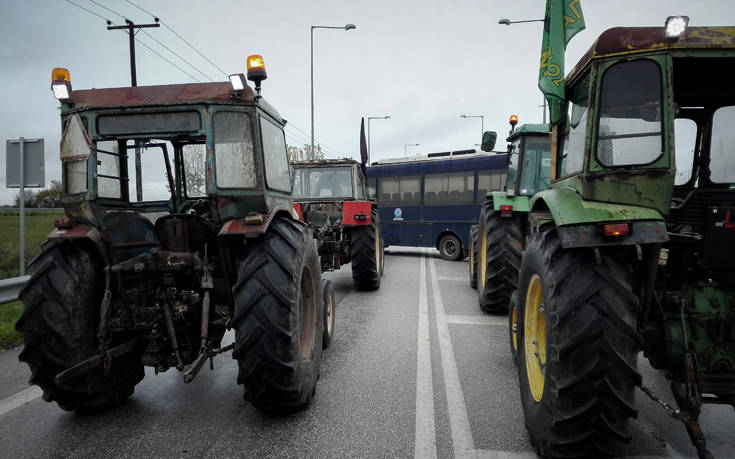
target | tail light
[
  {"x": 615, "y": 229},
  {"x": 506, "y": 210}
]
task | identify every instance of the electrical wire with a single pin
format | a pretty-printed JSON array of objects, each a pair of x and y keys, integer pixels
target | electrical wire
[
  {"x": 180, "y": 37},
  {"x": 88, "y": 10}
]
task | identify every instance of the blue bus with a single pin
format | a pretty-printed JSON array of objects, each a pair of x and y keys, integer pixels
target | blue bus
[{"x": 432, "y": 201}]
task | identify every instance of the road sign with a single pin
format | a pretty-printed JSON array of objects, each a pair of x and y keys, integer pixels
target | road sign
[{"x": 34, "y": 175}]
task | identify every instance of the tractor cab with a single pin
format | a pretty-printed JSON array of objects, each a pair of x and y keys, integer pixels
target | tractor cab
[{"x": 529, "y": 160}]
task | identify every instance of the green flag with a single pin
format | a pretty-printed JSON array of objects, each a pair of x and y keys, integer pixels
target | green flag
[{"x": 563, "y": 20}]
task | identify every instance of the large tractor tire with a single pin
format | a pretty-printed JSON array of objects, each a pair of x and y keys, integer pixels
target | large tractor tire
[
  {"x": 578, "y": 352},
  {"x": 473, "y": 256},
  {"x": 500, "y": 259},
  {"x": 61, "y": 305},
  {"x": 330, "y": 306},
  {"x": 366, "y": 250},
  {"x": 278, "y": 318}
]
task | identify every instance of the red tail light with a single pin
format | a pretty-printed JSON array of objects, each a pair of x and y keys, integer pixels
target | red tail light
[
  {"x": 299, "y": 210},
  {"x": 64, "y": 223},
  {"x": 506, "y": 210},
  {"x": 615, "y": 229}
]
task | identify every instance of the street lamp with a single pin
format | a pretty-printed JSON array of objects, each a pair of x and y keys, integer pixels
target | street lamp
[
  {"x": 345, "y": 27},
  {"x": 373, "y": 118},
  {"x": 408, "y": 145},
  {"x": 482, "y": 122},
  {"x": 509, "y": 22}
]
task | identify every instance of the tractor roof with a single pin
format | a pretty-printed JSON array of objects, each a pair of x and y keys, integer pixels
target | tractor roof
[
  {"x": 325, "y": 163},
  {"x": 630, "y": 40},
  {"x": 163, "y": 95},
  {"x": 528, "y": 129}
]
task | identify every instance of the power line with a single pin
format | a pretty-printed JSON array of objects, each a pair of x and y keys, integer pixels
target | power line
[
  {"x": 88, "y": 10},
  {"x": 182, "y": 38},
  {"x": 172, "y": 52},
  {"x": 106, "y": 8},
  {"x": 165, "y": 59}
]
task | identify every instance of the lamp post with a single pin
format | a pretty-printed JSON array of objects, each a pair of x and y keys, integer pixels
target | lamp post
[
  {"x": 345, "y": 27},
  {"x": 408, "y": 145},
  {"x": 509, "y": 22},
  {"x": 387, "y": 117},
  {"x": 482, "y": 121}
]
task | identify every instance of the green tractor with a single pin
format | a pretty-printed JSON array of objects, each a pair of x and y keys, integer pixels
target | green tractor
[
  {"x": 179, "y": 226},
  {"x": 632, "y": 248},
  {"x": 503, "y": 217}
]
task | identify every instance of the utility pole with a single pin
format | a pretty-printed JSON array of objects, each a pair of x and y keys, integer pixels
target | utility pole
[{"x": 131, "y": 29}]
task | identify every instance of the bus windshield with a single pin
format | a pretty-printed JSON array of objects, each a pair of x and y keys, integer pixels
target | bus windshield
[{"x": 322, "y": 182}]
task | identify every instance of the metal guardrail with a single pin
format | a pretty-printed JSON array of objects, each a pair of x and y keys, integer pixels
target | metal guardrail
[{"x": 9, "y": 288}]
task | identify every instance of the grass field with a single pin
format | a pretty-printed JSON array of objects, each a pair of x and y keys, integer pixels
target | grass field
[{"x": 39, "y": 224}]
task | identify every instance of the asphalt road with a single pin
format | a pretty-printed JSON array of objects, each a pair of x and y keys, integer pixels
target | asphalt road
[{"x": 414, "y": 370}]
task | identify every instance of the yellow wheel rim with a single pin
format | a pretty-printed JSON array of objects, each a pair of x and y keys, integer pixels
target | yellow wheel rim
[
  {"x": 483, "y": 258},
  {"x": 514, "y": 326},
  {"x": 472, "y": 257},
  {"x": 534, "y": 337}
]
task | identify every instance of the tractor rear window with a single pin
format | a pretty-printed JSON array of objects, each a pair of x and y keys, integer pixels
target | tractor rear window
[
  {"x": 722, "y": 149},
  {"x": 148, "y": 123},
  {"x": 233, "y": 150},
  {"x": 630, "y": 124},
  {"x": 322, "y": 182}
]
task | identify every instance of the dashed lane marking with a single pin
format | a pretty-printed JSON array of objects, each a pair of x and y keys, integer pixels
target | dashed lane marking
[
  {"x": 19, "y": 399},
  {"x": 477, "y": 320}
]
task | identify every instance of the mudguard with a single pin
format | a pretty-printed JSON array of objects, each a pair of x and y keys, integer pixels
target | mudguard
[{"x": 580, "y": 221}]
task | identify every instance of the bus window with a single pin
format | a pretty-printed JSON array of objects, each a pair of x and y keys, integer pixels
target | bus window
[
  {"x": 371, "y": 188},
  {"x": 400, "y": 191},
  {"x": 489, "y": 181},
  {"x": 456, "y": 188}
]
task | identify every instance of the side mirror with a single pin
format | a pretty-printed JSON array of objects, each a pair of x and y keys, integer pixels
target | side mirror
[{"x": 488, "y": 140}]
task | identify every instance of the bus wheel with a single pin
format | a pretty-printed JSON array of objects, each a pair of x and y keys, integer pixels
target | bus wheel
[{"x": 450, "y": 248}]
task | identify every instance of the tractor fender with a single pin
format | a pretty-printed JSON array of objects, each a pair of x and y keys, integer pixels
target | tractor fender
[
  {"x": 255, "y": 224},
  {"x": 501, "y": 198},
  {"x": 580, "y": 222},
  {"x": 69, "y": 230}
]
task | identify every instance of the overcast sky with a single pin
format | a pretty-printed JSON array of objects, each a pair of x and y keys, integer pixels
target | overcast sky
[{"x": 423, "y": 63}]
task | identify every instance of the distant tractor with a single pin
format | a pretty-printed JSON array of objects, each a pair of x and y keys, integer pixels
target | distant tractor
[
  {"x": 504, "y": 216},
  {"x": 179, "y": 226},
  {"x": 331, "y": 196},
  {"x": 632, "y": 246}
]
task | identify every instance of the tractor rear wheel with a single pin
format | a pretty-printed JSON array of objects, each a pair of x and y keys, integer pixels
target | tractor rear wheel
[
  {"x": 367, "y": 255},
  {"x": 278, "y": 318},
  {"x": 515, "y": 326},
  {"x": 473, "y": 256},
  {"x": 329, "y": 310},
  {"x": 500, "y": 253},
  {"x": 578, "y": 351},
  {"x": 61, "y": 305}
]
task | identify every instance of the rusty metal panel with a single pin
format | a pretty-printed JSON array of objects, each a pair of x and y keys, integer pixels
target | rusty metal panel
[{"x": 172, "y": 94}]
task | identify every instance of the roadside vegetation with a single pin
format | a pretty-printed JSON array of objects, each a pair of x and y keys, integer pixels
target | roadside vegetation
[{"x": 39, "y": 224}]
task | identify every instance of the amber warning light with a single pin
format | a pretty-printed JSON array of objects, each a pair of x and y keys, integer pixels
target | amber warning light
[
  {"x": 256, "y": 70},
  {"x": 513, "y": 120},
  {"x": 61, "y": 83}
]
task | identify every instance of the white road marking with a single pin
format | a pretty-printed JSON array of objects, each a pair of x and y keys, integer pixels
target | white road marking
[
  {"x": 425, "y": 440},
  {"x": 19, "y": 399},
  {"x": 458, "y": 420},
  {"x": 492, "y": 454},
  {"x": 452, "y": 278},
  {"x": 476, "y": 320}
]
